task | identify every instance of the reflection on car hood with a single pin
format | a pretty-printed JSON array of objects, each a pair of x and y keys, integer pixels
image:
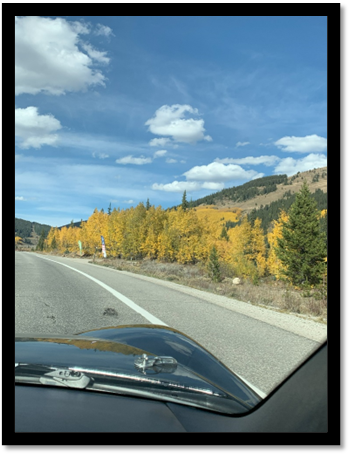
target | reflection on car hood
[{"x": 144, "y": 354}]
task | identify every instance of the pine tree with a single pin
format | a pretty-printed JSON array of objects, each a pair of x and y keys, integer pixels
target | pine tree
[
  {"x": 184, "y": 204},
  {"x": 109, "y": 208},
  {"x": 54, "y": 243},
  {"x": 40, "y": 245},
  {"x": 214, "y": 265},
  {"x": 148, "y": 205},
  {"x": 223, "y": 234},
  {"x": 302, "y": 247}
]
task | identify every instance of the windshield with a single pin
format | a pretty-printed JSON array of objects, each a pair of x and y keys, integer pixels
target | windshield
[{"x": 171, "y": 174}]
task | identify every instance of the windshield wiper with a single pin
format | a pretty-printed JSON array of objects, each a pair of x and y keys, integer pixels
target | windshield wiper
[
  {"x": 67, "y": 378},
  {"x": 128, "y": 384},
  {"x": 51, "y": 376}
]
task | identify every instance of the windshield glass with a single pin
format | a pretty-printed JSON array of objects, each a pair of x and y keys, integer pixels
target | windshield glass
[{"x": 171, "y": 175}]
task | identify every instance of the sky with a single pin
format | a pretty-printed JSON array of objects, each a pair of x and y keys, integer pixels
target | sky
[{"x": 118, "y": 110}]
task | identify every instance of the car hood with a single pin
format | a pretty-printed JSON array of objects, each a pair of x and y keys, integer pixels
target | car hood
[{"x": 142, "y": 355}]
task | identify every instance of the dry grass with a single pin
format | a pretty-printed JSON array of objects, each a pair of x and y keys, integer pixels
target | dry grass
[{"x": 267, "y": 293}]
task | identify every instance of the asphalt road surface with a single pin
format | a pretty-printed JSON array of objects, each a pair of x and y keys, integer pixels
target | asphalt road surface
[{"x": 62, "y": 296}]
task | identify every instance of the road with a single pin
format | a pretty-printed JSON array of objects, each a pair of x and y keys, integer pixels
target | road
[{"x": 62, "y": 296}]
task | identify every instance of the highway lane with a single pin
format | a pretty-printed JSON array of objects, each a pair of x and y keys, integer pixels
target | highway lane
[{"x": 54, "y": 299}]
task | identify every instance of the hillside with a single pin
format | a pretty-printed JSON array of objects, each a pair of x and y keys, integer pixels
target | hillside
[
  {"x": 264, "y": 198},
  {"x": 264, "y": 191},
  {"x": 30, "y": 231}
]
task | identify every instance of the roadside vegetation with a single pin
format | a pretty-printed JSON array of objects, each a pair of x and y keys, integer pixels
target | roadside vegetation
[{"x": 218, "y": 250}]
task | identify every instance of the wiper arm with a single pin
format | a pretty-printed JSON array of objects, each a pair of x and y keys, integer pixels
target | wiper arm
[
  {"x": 51, "y": 376},
  {"x": 127, "y": 384},
  {"x": 67, "y": 378}
]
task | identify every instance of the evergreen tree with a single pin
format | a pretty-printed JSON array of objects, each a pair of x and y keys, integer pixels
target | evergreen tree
[
  {"x": 40, "y": 245},
  {"x": 54, "y": 243},
  {"x": 224, "y": 234},
  {"x": 148, "y": 205},
  {"x": 184, "y": 204},
  {"x": 302, "y": 248},
  {"x": 109, "y": 208},
  {"x": 214, "y": 265}
]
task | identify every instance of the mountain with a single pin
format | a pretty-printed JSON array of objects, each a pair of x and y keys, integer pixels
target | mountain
[
  {"x": 30, "y": 231},
  {"x": 265, "y": 190},
  {"x": 264, "y": 197}
]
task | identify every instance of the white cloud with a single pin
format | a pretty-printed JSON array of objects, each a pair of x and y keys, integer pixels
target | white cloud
[
  {"x": 171, "y": 160},
  {"x": 170, "y": 121},
  {"x": 290, "y": 166},
  {"x": 103, "y": 30},
  {"x": 159, "y": 153},
  {"x": 95, "y": 54},
  {"x": 35, "y": 130},
  {"x": 48, "y": 59},
  {"x": 102, "y": 156},
  {"x": 213, "y": 186},
  {"x": 242, "y": 144},
  {"x": 304, "y": 144},
  {"x": 267, "y": 160},
  {"x": 19, "y": 198},
  {"x": 159, "y": 141},
  {"x": 218, "y": 172},
  {"x": 130, "y": 201},
  {"x": 211, "y": 176},
  {"x": 133, "y": 160},
  {"x": 180, "y": 187},
  {"x": 177, "y": 187}
]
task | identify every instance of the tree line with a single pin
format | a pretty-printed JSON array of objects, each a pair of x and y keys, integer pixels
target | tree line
[{"x": 294, "y": 249}]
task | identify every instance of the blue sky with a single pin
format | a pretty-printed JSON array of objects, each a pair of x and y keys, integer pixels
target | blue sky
[{"x": 120, "y": 109}]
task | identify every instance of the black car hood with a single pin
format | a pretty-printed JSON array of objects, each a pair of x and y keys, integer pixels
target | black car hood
[{"x": 120, "y": 351}]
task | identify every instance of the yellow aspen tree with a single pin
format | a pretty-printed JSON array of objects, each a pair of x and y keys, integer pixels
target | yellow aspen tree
[
  {"x": 95, "y": 226},
  {"x": 133, "y": 231},
  {"x": 18, "y": 241},
  {"x": 258, "y": 247},
  {"x": 63, "y": 241},
  {"x": 117, "y": 223},
  {"x": 151, "y": 229},
  {"x": 49, "y": 238},
  {"x": 168, "y": 239},
  {"x": 53, "y": 239},
  {"x": 186, "y": 232},
  {"x": 239, "y": 251},
  {"x": 71, "y": 239},
  {"x": 274, "y": 265}
]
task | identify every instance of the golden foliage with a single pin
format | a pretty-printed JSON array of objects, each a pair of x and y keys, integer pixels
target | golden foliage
[
  {"x": 274, "y": 265},
  {"x": 185, "y": 236}
]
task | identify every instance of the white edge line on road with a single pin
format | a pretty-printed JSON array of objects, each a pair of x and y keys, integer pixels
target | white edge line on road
[{"x": 152, "y": 319}]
